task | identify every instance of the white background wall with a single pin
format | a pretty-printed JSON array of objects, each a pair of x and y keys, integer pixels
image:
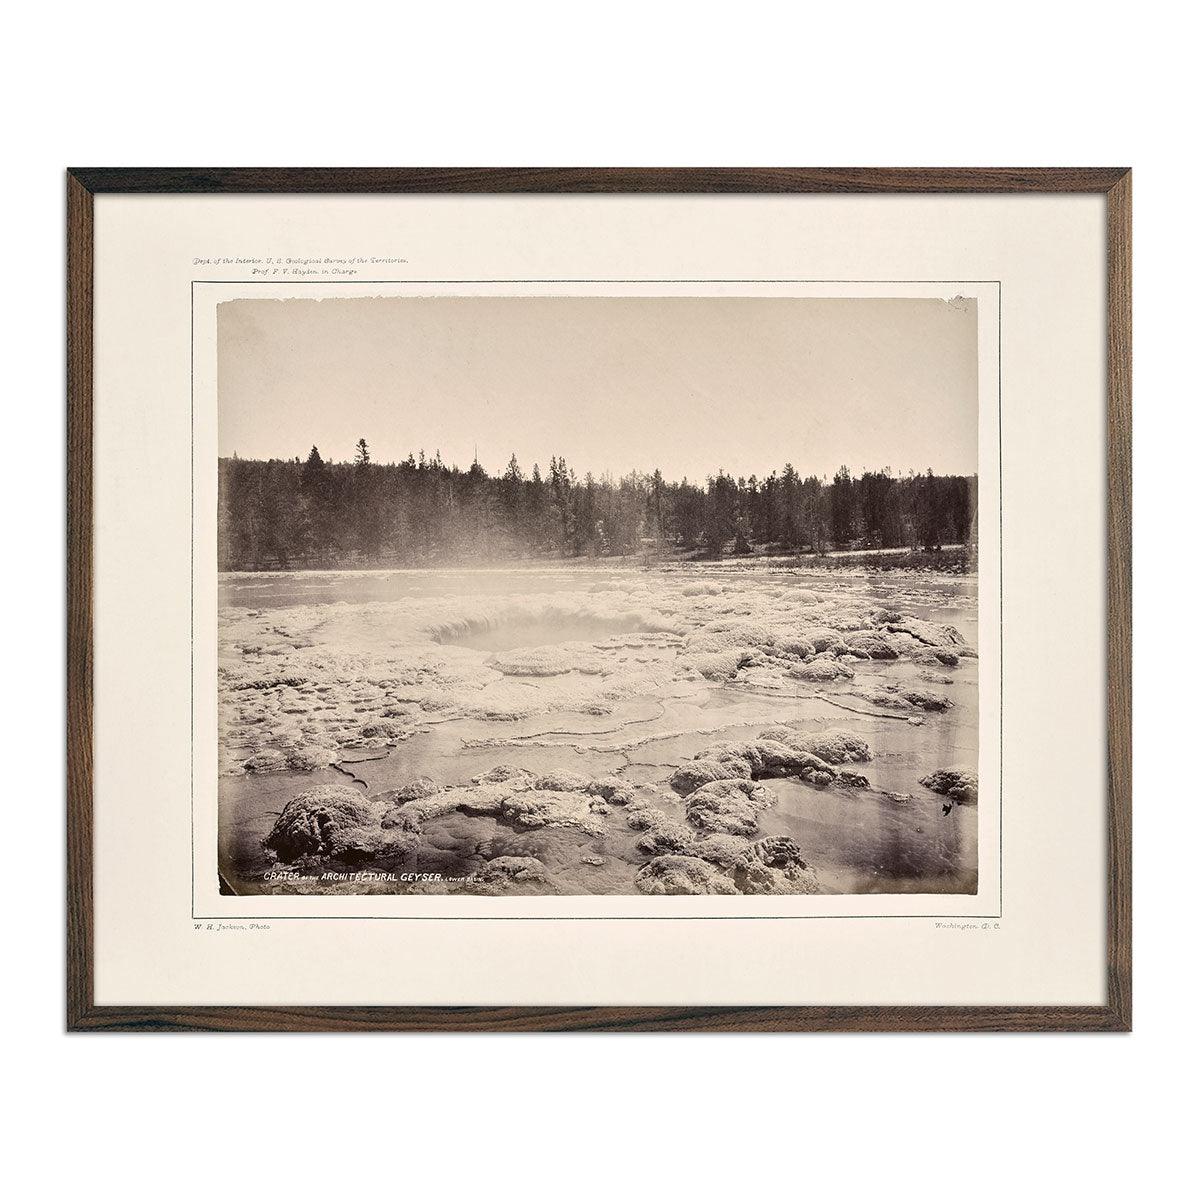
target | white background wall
[{"x": 1020, "y": 84}]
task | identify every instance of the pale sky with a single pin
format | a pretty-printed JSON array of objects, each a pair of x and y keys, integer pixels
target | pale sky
[{"x": 688, "y": 385}]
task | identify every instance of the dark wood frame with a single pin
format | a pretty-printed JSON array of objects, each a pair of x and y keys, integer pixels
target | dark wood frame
[{"x": 82, "y": 184}]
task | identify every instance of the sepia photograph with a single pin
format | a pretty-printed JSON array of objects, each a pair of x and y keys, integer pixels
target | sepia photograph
[{"x": 598, "y": 595}]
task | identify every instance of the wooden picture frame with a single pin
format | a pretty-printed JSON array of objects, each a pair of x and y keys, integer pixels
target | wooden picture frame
[{"x": 83, "y": 184}]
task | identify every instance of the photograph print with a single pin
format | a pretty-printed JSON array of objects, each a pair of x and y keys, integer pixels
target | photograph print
[{"x": 598, "y": 596}]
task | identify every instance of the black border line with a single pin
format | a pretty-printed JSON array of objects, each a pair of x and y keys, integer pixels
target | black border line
[{"x": 761, "y": 917}]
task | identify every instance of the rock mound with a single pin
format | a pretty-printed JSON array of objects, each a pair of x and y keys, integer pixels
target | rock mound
[
  {"x": 821, "y": 670},
  {"x": 681, "y": 875},
  {"x": 833, "y": 746},
  {"x": 959, "y": 785},
  {"x": 929, "y": 633},
  {"x": 331, "y": 821},
  {"x": 905, "y": 698},
  {"x": 563, "y": 810},
  {"x": 778, "y": 753},
  {"x": 690, "y": 775},
  {"x": 774, "y": 867},
  {"x": 729, "y": 806},
  {"x": 561, "y": 781},
  {"x": 418, "y": 789},
  {"x": 505, "y": 773},
  {"x": 871, "y": 645},
  {"x": 720, "y": 849},
  {"x": 667, "y": 837},
  {"x": 508, "y": 869}
]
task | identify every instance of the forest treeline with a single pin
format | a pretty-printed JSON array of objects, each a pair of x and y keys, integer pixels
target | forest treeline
[{"x": 287, "y": 513}]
